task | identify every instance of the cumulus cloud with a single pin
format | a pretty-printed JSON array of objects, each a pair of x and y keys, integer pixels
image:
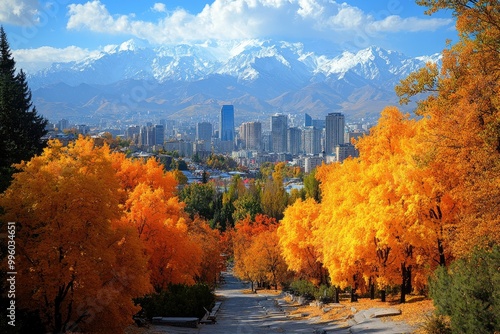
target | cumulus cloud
[
  {"x": 32, "y": 60},
  {"x": 19, "y": 12},
  {"x": 159, "y": 7},
  {"x": 236, "y": 19}
]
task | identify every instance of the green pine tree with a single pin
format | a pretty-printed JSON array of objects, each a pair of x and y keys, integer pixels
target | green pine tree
[{"x": 21, "y": 128}]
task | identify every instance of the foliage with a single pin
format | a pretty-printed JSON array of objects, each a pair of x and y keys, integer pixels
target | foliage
[
  {"x": 462, "y": 113},
  {"x": 274, "y": 198},
  {"x": 303, "y": 288},
  {"x": 21, "y": 128},
  {"x": 311, "y": 186},
  {"x": 469, "y": 292},
  {"x": 199, "y": 199},
  {"x": 296, "y": 233},
  {"x": 178, "y": 301},
  {"x": 75, "y": 255},
  {"x": 221, "y": 162},
  {"x": 257, "y": 255},
  {"x": 436, "y": 324}
]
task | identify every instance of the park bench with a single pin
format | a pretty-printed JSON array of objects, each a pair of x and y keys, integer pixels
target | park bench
[{"x": 210, "y": 316}]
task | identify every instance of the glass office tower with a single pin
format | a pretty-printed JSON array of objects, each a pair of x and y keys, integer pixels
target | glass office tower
[{"x": 226, "y": 123}]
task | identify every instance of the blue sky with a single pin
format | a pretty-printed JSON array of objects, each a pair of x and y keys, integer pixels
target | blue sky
[{"x": 45, "y": 31}]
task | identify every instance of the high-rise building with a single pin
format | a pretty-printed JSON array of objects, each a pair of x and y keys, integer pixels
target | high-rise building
[
  {"x": 334, "y": 131},
  {"x": 158, "y": 134},
  {"x": 226, "y": 123},
  {"x": 63, "y": 124},
  {"x": 132, "y": 132},
  {"x": 294, "y": 140},
  {"x": 308, "y": 121},
  {"x": 311, "y": 140},
  {"x": 279, "y": 125},
  {"x": 204, "y": 131},
  {"x": 251, "y": 134}
]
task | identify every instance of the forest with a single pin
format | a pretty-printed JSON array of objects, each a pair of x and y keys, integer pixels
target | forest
[{"x": 417, "y": 211}]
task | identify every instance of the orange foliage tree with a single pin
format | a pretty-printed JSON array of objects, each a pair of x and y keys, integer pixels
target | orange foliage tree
[
  {"x": 257, "y": 256},
  {"x": 161, "y": 223},
  {"x": 75, "y": 257},
  {"x": 463, "y": 112}
]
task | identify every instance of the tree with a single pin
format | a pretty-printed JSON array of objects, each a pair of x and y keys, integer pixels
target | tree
[
  {"x": 246, "y": 265},
  {"x": 296, "y": 233},
  {"x": 78, "y": 266},
  {"x": 462, "y": 112},
  {"x": 21, "y": 128},
  {"x": 199, "y": 199},
  {"x": 161, "y": 223},
  {"x": 375, "y": 222},
  {"x": 311, "y": 186},
  {"x": 469, "y": 292},
  {"x": 274, "y": 198}
]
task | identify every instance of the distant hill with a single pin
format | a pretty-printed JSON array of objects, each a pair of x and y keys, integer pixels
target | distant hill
[{"x": 132, "y": 84}]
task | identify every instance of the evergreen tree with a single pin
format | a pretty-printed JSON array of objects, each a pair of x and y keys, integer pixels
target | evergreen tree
[{"x": 21, "y": 128}]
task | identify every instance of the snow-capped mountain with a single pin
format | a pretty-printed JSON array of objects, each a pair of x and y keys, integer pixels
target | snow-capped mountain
[{"x": 258, "y": 76}]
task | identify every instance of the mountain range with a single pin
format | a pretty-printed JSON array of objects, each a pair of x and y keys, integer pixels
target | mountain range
[{"x": 132, "y": 83}]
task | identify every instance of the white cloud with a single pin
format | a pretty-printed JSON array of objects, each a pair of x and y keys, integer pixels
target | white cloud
[
  {"x": 159, "y": 7},
  {"x": 32, "y": 60},
  {"x": 395, "y": 23},
  {"x": 236, "y": 19},
  {"x": 19, "y": 12}
]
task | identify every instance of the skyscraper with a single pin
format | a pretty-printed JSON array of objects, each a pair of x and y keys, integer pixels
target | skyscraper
[
  {"x": 251, "y": 134},
  {"x": 308, "y": 120},
  {"x": 334, "y": 131},
  {"x": 226, "y": 123},
  {"x": 294, "y": 140},
  {"x": 279, "y": 125},
  {"x": 311, "y": 140},
  {"x": 204, "y": 131}
]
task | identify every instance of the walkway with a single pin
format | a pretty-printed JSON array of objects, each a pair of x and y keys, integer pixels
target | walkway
[{"x": 244, "y": 313}]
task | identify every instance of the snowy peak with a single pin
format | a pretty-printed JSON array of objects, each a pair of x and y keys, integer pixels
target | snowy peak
[{"x": 280, "y": 65}]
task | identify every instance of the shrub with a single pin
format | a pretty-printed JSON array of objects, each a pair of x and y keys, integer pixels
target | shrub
[
  {"x": 178, "y": 301},
  {"x": 325, "y": 293},
  {"x": 437, "y": 324},
  {"x": 303, "y": 288},
  {"x": 469, "y": 292}
]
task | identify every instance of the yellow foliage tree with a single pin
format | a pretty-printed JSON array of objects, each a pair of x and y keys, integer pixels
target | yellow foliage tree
[
  {"x": 296, "y": 233},
  {"x": 463, "y": 120}
]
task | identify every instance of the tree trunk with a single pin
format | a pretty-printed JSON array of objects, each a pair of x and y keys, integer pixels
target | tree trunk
[
  {"x": 442, "y": 258},
  {"x": 382, "y": 296},
  {"x": 353, "y": 295},
  {"x": 405, "y": 277},
  {"x": 337, "y": 291},
  {"x": 372, "y": 290}
]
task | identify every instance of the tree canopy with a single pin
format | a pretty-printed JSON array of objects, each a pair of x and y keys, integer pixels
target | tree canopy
[{"x": 21, "y": 128}]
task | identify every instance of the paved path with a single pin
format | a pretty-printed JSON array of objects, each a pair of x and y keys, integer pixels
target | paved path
[{"x": 243, "y": 313}]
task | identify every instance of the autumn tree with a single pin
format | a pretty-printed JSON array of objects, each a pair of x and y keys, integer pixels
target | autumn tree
[
  {"x": 151, "y": 207},
  {"x": 268, "y": 261},
  {"x": 78, "y": 265},
  {"x": 373, "y": 224},
  {"x": 250, "y": 261},
  {"x": 462, "y": 112},
  {"x": 21, "y": 127},
  {"x": 299, "y": 250}
]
